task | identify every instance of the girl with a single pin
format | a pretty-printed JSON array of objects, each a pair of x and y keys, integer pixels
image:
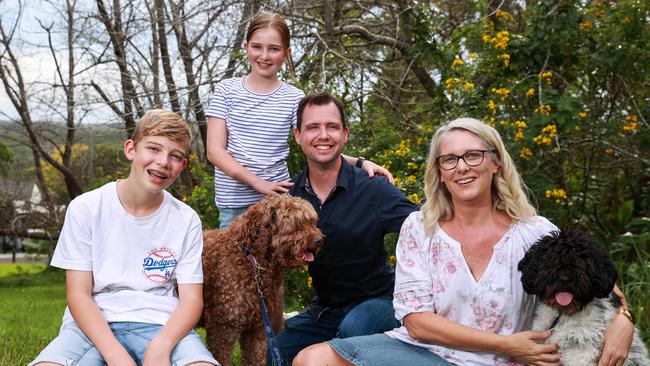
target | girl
[{"x": 249, "y": 120}]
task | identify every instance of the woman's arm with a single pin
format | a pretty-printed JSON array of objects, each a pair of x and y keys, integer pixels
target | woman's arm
[
  {"x": 218, "y": 155},
  {"x": 618, "y": 337},
  {"x": 434, "y": 328},
  {"x": 182, "y": 320},
  {"x": 90, "y": 319}
]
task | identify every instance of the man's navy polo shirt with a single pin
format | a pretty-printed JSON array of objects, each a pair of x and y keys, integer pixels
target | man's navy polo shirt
[{"x": 352, "y": 265}]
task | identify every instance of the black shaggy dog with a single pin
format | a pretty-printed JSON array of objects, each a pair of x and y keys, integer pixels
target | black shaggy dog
[{"x": 573, "y": 276}]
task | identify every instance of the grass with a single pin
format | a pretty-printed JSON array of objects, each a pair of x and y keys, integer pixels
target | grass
[
  {"x": 32, "y": 301},
  {"x": 31, "y": 306}
]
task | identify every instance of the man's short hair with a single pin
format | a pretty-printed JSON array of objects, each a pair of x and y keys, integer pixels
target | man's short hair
[
  {"x": 320, "y": 98},
  {"x": 161, "y": 122}
]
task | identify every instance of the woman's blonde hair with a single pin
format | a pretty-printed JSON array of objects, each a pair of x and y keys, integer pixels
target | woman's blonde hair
[
  {"x": 508, "y": 190},
  {"x": 276, "y": 22}
]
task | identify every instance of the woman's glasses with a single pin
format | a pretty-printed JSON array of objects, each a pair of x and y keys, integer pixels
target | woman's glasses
[{"x": 471, "y": 158}]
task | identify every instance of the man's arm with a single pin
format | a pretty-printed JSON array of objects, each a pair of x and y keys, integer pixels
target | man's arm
[
  {"x": 90, "y": 319},
  {"x": 182, "y": 320}
]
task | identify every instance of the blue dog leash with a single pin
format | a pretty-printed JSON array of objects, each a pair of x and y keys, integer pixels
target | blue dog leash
[{"x": 271, "y": 341}]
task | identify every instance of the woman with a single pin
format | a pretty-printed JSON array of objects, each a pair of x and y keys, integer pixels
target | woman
[{"x": 458, "y": 293}]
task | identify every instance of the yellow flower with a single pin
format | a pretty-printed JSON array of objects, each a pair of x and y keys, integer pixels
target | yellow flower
[
  {"x": 501, "y": 40},
  {"x": 551, "y": 130},
  {"x": 398, "y": 182},
  {"x": 542, "y": 140},
  {"x": 452, "y": 82},
  {"x": 503, "y": 92},
  {"x": 468, "y": 86},
  {"x": 582, "y": 115},
  {"x": 403, "y": 149},
  {"x": 472, "y": 56},
  {"x": 457, "y": 62},
  {"x": 543, "y": 109},
  {"x": 632, "y": 123},
  {"x": 609, "y": 151},
  {"x": 525, "y": 153},
  {"x": 411, "y": 165},
  {"x": 586, "y": 25},
  {"x": 414, "y": 198},
  {"x": 627, "y": 20},
  {"x": 309, "y": 281},
  {"x": 489, "y": 121},
  {"x": 520, "y": 124},
  {"x": 519, "y": 135},
  {"x": 392, "y": 260},
  {"x": 558, "y": 194},
  {"x": 504, "y": 15},
  {"x": 530, "y": 92},
  {"x": 504, "y": 122},
  {"x": 506, "y": 59},
  {"x": 492, "y": 106},
  {"x": 411, "y": 179}
]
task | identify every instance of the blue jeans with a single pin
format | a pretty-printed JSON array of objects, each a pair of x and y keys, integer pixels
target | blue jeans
[
  {"x": 72, "y": 347},
  {"x": 382, "y": 350},
  {"x": 319, "y": 324},
  {"x": 226, "y": 215}
]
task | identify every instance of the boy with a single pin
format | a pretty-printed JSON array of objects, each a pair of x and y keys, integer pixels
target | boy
[{"x": 132, "y": 255}]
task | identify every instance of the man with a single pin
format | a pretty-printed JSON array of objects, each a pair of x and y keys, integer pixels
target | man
[{"x": 351, "y": 275}]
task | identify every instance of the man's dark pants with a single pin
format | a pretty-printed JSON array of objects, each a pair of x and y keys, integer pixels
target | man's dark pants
[{"x": 319, "y": 324}]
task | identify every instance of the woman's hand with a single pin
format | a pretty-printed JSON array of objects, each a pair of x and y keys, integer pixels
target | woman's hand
[
  {"x": 522, "y": 346},
  {"x": 266, "y": 188},
  {"x": 372, "y": 169},
  {"x": 618, "y": 339}
]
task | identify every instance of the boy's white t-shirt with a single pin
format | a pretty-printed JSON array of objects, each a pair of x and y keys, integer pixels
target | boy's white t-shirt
[{"x": 136, "y": 261}]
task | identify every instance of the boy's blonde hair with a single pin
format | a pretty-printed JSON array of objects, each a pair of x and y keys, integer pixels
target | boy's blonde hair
[
  {"x": 161, "y": 122},
  {"x": 508, "y": 190}
]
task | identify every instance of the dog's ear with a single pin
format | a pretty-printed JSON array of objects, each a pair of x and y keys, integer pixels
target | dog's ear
[
  {"x": 529, "y": 267},
  {"x": 600, "y": 267},
  {"x": 534, "y": 266}
]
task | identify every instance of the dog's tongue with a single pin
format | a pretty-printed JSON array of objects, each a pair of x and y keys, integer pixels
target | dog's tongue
[
  {"x": 307, "y": 257},
  {"x": 564, "y": 298}
]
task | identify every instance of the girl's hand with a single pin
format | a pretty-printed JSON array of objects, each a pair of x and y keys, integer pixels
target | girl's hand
[
  {"x": 266, "y": 187},
  {"x": 372, "y": 169},
  {"x": 618, "y": 339},
  {"x": 522, "y": 346}
]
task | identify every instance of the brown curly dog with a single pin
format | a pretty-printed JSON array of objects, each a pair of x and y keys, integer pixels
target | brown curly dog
[{"x": 281, "y": 232}]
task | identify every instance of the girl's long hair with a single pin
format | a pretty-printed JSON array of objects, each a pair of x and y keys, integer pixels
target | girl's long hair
[{"x": 508, "y": 190}]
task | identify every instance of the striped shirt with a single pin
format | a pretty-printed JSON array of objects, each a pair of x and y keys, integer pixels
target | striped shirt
[{"x": 258, "y": 127}]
